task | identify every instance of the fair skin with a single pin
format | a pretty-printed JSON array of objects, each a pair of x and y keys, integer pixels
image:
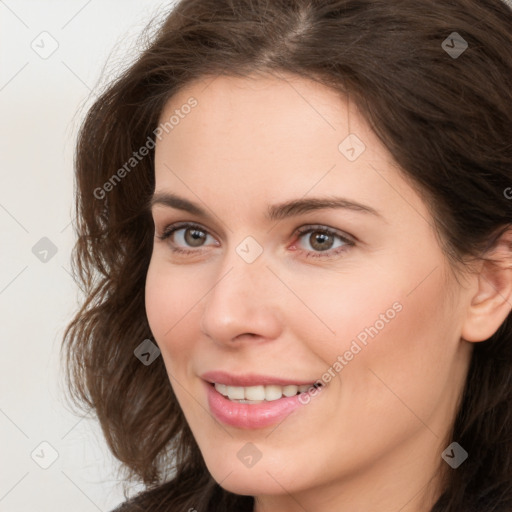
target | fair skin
[{"x": 372, "y": 438}]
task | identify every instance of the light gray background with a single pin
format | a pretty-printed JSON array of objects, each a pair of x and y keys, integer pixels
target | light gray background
[{"x": 42, "y": 102}]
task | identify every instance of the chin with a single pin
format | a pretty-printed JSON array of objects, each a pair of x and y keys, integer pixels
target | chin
[{"x": 261, "y": 479}]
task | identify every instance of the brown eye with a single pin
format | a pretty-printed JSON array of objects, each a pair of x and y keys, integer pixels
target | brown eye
[
  {"x": 183, "y": 237},
  {"x": 194, "y": 237},
  {"x": 321, "y": 241}
]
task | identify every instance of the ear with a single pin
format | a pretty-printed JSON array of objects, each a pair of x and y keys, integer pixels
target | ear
[{"x": 492, "y": 301}]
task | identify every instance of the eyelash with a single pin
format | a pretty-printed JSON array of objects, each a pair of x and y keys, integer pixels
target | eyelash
[{"x": 171, "y": 229}]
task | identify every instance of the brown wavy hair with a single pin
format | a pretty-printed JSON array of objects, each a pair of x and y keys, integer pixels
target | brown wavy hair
[{"x": 447, "y": 122}]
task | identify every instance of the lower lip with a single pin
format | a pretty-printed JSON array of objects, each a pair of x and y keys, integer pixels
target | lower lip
[{"x": 251, "y": 416}]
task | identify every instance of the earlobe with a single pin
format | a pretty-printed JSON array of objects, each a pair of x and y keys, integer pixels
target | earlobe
[{"x": 492, "y": 302}]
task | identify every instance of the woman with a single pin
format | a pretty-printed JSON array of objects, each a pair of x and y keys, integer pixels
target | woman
[{"x": 293, "y": 236}]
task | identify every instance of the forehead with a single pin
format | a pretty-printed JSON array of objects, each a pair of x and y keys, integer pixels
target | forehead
[
  {"x": 257, "y": 122},
  {"x": 273, "y": 138},
  {"x": 234, "y": 113},
  {"x": 235, "y": 93}
]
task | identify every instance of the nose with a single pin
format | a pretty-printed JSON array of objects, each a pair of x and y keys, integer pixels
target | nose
[{"x": 243, "y": 304}]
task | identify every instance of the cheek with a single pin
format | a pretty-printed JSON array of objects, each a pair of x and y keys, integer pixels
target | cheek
[
  {"x": 171, "y": 292},
  {"x": 405, "y": 352},
  {"x": 158, "y": 299},
  {"x": 170, "y": 300},
  {"x": 379, "y": 335},
  {"x": 345, "y": 311}
]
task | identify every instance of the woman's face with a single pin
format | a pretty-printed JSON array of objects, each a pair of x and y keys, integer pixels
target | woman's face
[{"x": 308, "y": 259}]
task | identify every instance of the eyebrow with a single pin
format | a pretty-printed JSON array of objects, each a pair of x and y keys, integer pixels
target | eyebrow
[{"x": 274, "y": 212}]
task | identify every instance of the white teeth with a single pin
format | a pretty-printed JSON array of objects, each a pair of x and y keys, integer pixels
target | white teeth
[
  {"x": 257, "y": 394},
  {"x": 235, "y": 393},
  {"x": 254, "y": 393},
  {"x": 222, "y": 389},
  {"x": 290, "y": 390},
  {"x": 273, "y": 393}
]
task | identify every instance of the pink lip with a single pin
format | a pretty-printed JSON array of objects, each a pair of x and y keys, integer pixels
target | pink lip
[
  {"x": 250, "y": 416},
  {"x": 220, "y": 377}
]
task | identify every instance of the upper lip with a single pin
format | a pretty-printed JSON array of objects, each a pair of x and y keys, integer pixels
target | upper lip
[{"x": 250, "y": 379}]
